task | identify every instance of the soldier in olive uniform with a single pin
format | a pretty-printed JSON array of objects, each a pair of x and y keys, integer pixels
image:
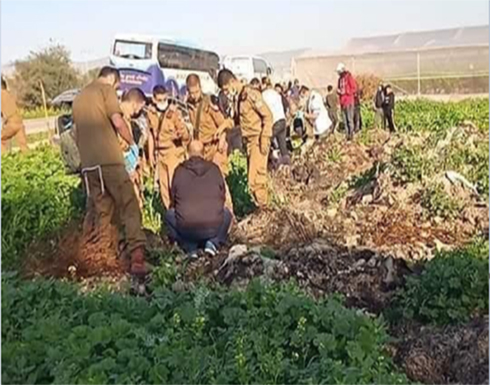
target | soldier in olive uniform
[{"x": 255, "y": 120}]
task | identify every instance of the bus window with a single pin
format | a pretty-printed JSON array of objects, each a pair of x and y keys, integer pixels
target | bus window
[
  {"x": 132, "y": 50},
  {"x": 177, "y": 57},
  {"x": 260, "y": 66}
]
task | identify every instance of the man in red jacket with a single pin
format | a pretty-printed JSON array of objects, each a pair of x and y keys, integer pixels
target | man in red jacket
[{"x": 346, "y": 89}]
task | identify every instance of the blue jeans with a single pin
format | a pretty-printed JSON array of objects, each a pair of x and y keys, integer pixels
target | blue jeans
[
  {"x": 348, "y": 115},
  {"x": 191, "y": 239}
]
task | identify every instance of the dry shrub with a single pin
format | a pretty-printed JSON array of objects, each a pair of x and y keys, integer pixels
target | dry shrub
[{"x": 368, "y": 84}]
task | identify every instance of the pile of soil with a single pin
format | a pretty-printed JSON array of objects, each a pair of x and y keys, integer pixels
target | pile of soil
[
  {"x": 367, "y": 280},
  {"x": 374, "y": 211}
]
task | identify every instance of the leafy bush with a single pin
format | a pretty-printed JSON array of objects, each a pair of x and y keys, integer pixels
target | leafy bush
[
  {"x": 38, "y": 112},
  {"x": 438, "y": 203},
  {"x": 37, "y": 199},
  {"x": 452, "y": 288},
  {"x": 52, "y": 334},
  {"x": 427, "y": 115},
  {"x": 238, "y": 183},
  {"x": 411, "y": 164}
]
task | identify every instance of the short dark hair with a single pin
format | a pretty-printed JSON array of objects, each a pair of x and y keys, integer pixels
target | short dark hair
[
  {"x": 108, "y": 71},
  {"x": 225, "y": 76},
  {"x": 329, "y": 87},
  {"x": 277, "y": 85},
  {"x": 159, "y": 90},
  {"x": 303, "y": 89},
  {"x": 193, "y": 80},
  {"x": 255, "y": 82},
  {"x": 134, "y": 95},
  {"x": 296, "y": 81},
  {"x": 4, "y": 84}
]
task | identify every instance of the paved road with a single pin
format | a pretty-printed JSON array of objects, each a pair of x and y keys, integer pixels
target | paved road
[{"x": 34, "y": 126}]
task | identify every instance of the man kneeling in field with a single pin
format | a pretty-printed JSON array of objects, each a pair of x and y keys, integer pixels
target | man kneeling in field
[{"x": 198, "y": 216}]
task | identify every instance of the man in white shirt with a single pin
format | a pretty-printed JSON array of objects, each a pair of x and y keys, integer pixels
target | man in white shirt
[
  {"x": 315, "y": 111},
  {"x": 273, "y": 100}
]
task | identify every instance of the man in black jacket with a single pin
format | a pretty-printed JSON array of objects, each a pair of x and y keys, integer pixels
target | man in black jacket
[
  {"x": 198, "y": 216},
  {"x": 379, "y": 118},
  {"x": 388, "y": 107}
]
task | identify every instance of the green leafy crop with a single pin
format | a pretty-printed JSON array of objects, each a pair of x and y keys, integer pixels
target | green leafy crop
[
  {"x": 52, "y": 334},
  {"x": 37, "y": 198},
  {"x": 452, "y": 288}
]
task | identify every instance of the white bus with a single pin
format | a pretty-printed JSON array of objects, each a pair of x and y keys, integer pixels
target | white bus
[
  {"x": 247, "y": 67},
  {"x": 146, "y": 61}
]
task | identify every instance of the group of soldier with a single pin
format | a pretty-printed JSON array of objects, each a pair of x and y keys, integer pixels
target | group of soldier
[
  {"x": 114, "y": 156},
  {"x": 113, "y": 159}
]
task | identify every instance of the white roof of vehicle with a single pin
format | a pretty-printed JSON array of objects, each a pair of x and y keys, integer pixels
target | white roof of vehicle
[{"x": 155, "y": 39}]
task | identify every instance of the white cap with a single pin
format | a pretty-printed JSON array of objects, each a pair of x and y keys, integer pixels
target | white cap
[{"x": 341, "y": 67}]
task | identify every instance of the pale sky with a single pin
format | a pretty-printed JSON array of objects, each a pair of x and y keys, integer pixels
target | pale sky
[{"x": 228, "y": 27}]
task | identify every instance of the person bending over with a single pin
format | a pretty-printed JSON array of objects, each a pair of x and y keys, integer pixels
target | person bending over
[{"x": 198, "y": 216}]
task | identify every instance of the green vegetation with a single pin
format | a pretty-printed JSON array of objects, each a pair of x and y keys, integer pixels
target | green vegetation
[
  {"x": 37, "y": 199},
  {"x": 237, "y": 182},
  {"x": 51, "y": 333},
  {"x": 425, "y": 115},
  {"x": 438, "y": 203},
  {"x": 50, "y": 66},
  {"x": 452, "y": 288},
  {"x": 39, "y": 112},
  {"x": 266, "y": 334}
]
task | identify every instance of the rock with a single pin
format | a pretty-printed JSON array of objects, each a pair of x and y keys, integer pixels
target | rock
[
  {"x": 354, "y": 216},
  {"x": 390, "y": 273},
  {"x": 440, "y": 246},
  {"x": 438, "y": 220},
  {"x": 366, "y": 199},
  {"x": 237, "y": 251},
  {"x": 359, "y": 263},
  {"x": 331, "y": 213},
  {"x": 372, "y": 262},
  {"x": 255, "y": 250},
  {"x": 351, "y": 240}
]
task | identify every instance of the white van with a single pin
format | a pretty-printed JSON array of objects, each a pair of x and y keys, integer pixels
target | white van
[{"x": 247, "y": 67}]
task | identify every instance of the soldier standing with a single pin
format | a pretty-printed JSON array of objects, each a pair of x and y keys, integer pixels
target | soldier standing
[
  {"x": 255, "y": 120},
  {"x": 210, "y": 127},
  {"x": 171, "y": 139},
  {"x": 99, "y": 121},
  {"x": 12, "y": 124}
]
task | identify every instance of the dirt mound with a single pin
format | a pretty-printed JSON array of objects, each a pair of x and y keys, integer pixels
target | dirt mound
[
  {"x": 344, "y": 192},
  {"x": 454, "y": 354},
  {"x": 75, "y": 254},
  {"x": 365, "y": 278}
]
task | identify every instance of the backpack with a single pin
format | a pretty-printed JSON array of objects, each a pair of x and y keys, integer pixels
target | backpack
[{"x": 68, "y": 146}]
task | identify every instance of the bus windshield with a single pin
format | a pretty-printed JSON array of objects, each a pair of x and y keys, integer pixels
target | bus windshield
[
  {"x": 132, "y": 50},
  {"x": 178, "y": 57}
]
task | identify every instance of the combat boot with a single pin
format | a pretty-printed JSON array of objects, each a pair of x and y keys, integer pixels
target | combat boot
[{"x": 138, "y": 265}]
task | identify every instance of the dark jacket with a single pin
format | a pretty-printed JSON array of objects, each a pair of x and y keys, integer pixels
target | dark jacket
[
  {"x": 332, "y": 101},
  {"x": 389, "y": 102},
  {"x": 379, "y": 98},
  {"x": 198, "y": 194}
]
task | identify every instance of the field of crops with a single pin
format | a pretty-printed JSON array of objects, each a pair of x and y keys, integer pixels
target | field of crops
[{"x": 328, "y": 293}]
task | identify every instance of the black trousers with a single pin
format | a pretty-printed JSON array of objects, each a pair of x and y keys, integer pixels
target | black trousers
[
  {"x": 357, "y": 118},
  {"x": 279, "y": 132},
  {"x": 388, "y": 113}
]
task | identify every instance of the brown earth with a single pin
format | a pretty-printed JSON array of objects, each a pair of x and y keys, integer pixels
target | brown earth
[{"x": 360, "y": 244}]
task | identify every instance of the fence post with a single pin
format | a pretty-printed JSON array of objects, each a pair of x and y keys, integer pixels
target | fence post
[{"x": 418, "y": 74}]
